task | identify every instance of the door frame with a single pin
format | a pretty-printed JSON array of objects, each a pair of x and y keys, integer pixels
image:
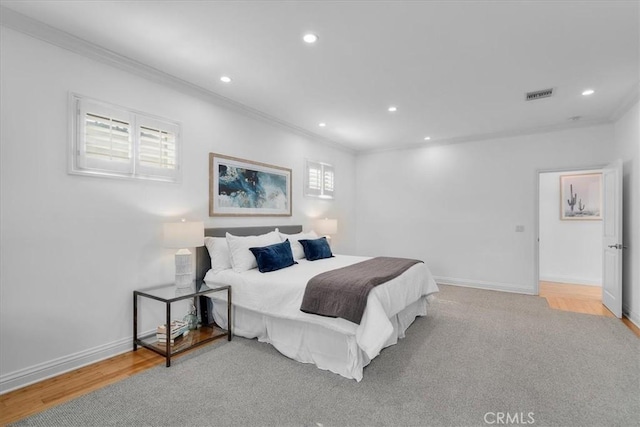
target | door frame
[{"x": 536, "y": 216}]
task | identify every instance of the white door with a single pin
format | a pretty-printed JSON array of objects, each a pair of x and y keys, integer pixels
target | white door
[{"x": 612, "y": 237}]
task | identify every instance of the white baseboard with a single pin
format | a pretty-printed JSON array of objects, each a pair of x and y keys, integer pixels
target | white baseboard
[
  {"x": 631, "y": 315},
  {"x": 42, "y": 371},
  {"x": 589, "y": 281},
  {"x": 479, "y": 284}
]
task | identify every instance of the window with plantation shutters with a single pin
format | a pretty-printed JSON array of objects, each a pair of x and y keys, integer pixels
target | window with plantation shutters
[
  {"x": 314, "y": 179},
  {"x": 157, "y": 148},
  {"x": 319, "y": 180},
  {"x": 327, "y": 185},
  {"x": 117, "y": 142},
  {"x": 107, "y": 138}
]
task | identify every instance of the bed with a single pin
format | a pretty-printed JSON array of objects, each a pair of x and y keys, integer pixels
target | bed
[{"x": 266, "y": 306}]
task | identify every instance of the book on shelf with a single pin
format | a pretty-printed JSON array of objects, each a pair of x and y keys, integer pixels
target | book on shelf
[
  {"x": 163, "y": 341},
  {"x": 173, "y": 334},
  {"x": 176, "y": 325},
  {"x": 178, "y": 329}
]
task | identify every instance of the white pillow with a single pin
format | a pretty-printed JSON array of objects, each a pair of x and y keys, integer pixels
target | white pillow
[
  {"x": 219, "y": 253},
  {"x": 242, "y": 259},
  {"x": 296, "y": 248}
]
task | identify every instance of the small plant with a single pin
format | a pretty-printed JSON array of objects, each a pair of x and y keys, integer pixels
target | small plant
[{"x": 581, "y": 206}]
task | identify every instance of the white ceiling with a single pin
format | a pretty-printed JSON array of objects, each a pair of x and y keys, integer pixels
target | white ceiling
[{"x": 456, "y": 70}]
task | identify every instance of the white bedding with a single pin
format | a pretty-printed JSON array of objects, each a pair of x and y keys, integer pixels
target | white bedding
[{"x": 279, "y": 294}]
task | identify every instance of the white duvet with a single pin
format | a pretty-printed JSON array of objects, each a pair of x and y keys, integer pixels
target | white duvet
[{"x": 279, "y": 294}]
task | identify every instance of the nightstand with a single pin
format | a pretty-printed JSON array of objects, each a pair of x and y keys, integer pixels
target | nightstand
[{"x": 169, "y": 294}]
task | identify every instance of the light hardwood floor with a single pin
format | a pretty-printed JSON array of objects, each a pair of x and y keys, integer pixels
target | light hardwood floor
[
  {"x": 579, "y": 299},
  {"x": 575, "y": 298},
  {"x": 54, "y": 391}
]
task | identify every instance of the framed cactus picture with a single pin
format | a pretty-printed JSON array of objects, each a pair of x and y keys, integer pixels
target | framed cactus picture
[{"x": 581, "y": 197}]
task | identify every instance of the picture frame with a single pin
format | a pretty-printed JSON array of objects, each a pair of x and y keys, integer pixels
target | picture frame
[
  {"x": 239, "y": 187},
  {"x": 581, "y": 197}
]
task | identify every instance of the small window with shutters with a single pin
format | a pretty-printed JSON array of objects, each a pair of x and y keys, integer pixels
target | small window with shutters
[
  {"x": 112, "y": 141},
  {"x": 319, "y": 180}
]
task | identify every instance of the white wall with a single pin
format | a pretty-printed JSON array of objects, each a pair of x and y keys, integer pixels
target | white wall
[
  {"x": 570, "y": 251},
  {"x": 627, "y": 148},
  {"x": 73, "y": 248},
  {"x": 457, "y": 206}
]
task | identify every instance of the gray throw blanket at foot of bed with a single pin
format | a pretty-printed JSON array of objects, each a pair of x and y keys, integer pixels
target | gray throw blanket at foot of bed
[{"x": 343, "y": 292}]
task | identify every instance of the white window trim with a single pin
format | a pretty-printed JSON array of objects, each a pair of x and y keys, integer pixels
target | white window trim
[
  {"x": 136, "y": 119},
  {"x": 322, "y": 192}
]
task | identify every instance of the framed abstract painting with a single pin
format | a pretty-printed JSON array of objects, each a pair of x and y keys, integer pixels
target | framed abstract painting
[
  {"x": 240, "y": 187},
  {"x": 581, "y": 197}
]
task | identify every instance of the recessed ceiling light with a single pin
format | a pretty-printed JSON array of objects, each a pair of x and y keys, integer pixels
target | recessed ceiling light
[
  {"x": 426, "y": 138},
  {"x": 225, "y": 79},
  {"x": 588, "y": 92},
  {"x": 323, "y": 124},
  {"x": 392, "y": 109},
  {"x": 310, "y": 38}
]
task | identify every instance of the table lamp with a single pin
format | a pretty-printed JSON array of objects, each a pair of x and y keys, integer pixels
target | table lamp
[
  {"x": 326, "y": 227},
  {"x": 183, "y": 235}
]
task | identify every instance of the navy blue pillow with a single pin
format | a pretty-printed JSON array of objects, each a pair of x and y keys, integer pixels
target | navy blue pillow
[
  {"x": 316, "y": 249},
  {"x": 273, "y": 257}
]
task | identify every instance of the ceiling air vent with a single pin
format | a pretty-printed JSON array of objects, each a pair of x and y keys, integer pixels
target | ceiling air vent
[{"x": 538, "y": 94}]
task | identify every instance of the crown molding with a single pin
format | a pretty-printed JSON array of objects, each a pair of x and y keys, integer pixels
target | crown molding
[
  {"x": 627, "y": 102},
  {"x": 488, "y": 136},
  {"x": 44, "y": 32}
]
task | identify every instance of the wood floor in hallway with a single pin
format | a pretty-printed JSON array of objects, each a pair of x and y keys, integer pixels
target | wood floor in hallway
[
  {"x": 578, "y": 299},
  {"x": 575, "y": 298}
]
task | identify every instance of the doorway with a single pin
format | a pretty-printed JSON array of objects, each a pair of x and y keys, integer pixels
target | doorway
[{"x": 569, "y": 249}]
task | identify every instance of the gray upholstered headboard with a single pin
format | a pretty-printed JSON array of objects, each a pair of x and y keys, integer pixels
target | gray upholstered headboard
[{"x": 203, "y": 261}]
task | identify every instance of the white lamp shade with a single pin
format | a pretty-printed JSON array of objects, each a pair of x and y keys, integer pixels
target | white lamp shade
[
  {"x": 326, "y": 227},
  {"x": 179, "y": 235}
]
